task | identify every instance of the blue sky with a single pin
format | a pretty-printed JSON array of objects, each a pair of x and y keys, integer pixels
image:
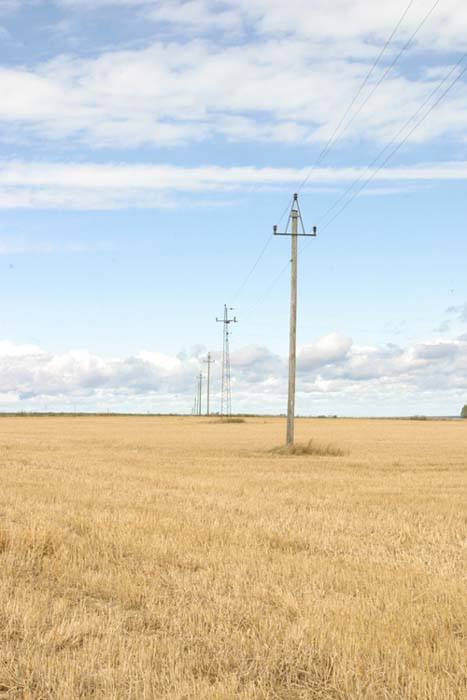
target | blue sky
[{"x": 148, "y": 147}]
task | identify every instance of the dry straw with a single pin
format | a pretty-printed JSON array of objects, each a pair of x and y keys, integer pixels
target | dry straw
[{"x": 166, "y": 559}]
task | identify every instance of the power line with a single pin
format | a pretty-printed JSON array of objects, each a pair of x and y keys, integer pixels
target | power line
[
  {"x": 260, "y": 256},
  {"x": 395, "y": 138},
  {"x": 335, "y": 135},
  {"x": 271, "y": 286},
  {"x": 396, "y": 148},
  {"x": 381, "y": 79}
]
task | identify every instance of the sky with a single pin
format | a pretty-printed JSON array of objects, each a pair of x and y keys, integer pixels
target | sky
[{"x": 149, "y": 146}]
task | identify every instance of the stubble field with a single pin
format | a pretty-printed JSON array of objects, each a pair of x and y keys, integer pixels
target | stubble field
[{"x": 177, "y": 558}]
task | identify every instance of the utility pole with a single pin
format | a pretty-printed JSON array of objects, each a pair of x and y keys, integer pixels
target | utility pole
[
  {"x": 208, "y": 362},
  {"x": 200, "y": 393},
  {"x": 294, "y": 217},
  {"x": 226, "y": 396},
  {"x": 196, "y": 401}
]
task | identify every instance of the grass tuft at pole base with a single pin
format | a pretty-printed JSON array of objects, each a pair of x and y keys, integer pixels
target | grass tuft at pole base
[{"x": 311, "y": 448}]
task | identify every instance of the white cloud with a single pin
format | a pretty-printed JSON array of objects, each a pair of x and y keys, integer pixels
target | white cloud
[
  {"x": 113, "y": 185},
  {"x": 329, "y": 350},
  {"x": 264, "y": 88},
  {"x": 331, "y": 369},
  {"x": 341, "y": 21},
  {"x": 198, "y": 15},
  {"x": 12, "y": 350}
]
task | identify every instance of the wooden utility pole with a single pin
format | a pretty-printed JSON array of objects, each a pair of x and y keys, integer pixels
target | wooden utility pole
[
  {"x": 208, "y": 362},
  {"x": 293, "y": 333},
  {"x": 294, "y": 217},
  {"x": 195, "y": 404},
  {"x": 200, "y": 393}
]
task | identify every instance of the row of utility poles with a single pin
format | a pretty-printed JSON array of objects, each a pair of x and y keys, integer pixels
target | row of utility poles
[
  {"x": 226, "y": 393},
  {"x": 197, "y": 404},
  {"x": 295, "y": 229}
]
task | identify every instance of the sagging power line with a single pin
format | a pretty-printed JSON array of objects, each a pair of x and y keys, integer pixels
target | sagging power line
[
  {"x": 339, "y": 131},
  {"x": 395, "y": 140},
  {"x": 397, "y": 146},
  {"x": 377, "y": 84}
]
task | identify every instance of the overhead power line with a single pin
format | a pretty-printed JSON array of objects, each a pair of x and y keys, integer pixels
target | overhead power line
[
  {"x": 395, "y": 149},
  {"x": 246, "y": 279},
  {"x": 253, "y": 268},
  {"x": 381, "y": 79},
  {"x": 336, "y": 135},
  {"x": 396, "y": 137}
]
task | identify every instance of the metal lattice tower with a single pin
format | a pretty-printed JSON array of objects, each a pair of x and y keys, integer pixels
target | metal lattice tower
[{"x": 226, "y": 396}]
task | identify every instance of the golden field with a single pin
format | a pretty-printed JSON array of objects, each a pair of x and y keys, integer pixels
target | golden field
[{"x": 178, "y": 558}]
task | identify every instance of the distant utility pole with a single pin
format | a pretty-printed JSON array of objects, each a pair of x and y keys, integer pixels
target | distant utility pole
[
  {"x": 200, "y": 393},
  {"x": 226, "y": 396},
  {"x": 208, "y": 362},
  {"x": 196, "y": 401},
  {"x": 294, "y": 217}
]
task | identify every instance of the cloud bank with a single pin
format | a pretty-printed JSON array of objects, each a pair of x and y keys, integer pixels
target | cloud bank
[
  {"x": 334, "y": 374},
  {"x": 256, "y": 71}
]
